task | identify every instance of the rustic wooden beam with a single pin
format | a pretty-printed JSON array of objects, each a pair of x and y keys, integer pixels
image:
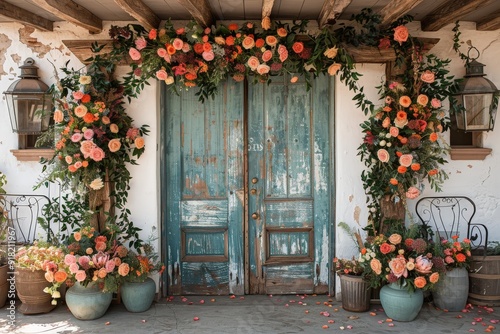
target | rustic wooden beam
[
  {"x": 72, "y": 12},
  {"x": 331, "y": 10},
  {"x": 490, "y": 22},
  {"x": 199, "y": 10},
  {"x": 25, "y": 17},
  {"x": 267, "y": 7},
  {"x": 139, "y": 11},
  {"x": 82, "y": 48},
  {"x": 395, "y": 9},
  {"x": 371, "y": 54},
  {"x": 449, "y": 12}
]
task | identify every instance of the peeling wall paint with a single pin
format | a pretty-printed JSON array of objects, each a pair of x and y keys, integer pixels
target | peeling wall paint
[
  {"x": 32, "y": 42},
  {"x": 5, "y": 43}
]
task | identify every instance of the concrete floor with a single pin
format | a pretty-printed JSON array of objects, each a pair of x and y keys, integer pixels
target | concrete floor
[{"x": 253, "y": 314}]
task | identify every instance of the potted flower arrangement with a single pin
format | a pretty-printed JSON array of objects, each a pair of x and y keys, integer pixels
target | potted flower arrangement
[
  {"x": 355, "y": 289},
  {"x": 138, "y": 288},
  {"x": 453, "y": 259},
  {"x": 403, "y": 262},
  {"x": 94, "y": 261},
  {"x": 4, "y": 229},
  {"x": 40, "y": 271}
]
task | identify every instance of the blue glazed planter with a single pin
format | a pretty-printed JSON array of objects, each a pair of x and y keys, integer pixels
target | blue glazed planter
[
  {"x": 87, "y": 303},
  {"x": 138, "y": 296},
  {"x": 399, "y": 304}
]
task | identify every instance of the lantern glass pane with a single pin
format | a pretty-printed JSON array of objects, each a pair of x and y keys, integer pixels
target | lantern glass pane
[
  {"x": 32, "y": 115},
  {"x": 477, "y": 108}
]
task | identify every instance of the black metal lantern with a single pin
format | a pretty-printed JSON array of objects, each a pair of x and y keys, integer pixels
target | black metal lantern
[
  {"x": 29, "y": 102},
  {"x": 476, "y": 100}
]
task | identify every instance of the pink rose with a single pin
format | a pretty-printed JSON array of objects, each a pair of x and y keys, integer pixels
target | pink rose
[
  {"x": 80, "y": 276},
  {"x": 383, "y": 155},
  {"x": 186, "y": 47},
  {"x": 132, "y": 133},
  {"x": 282, "y": 49},
  {"x": 161, "y": 52},
  {"x": 83, "y": 261},
  {"x": 97, "y": 154},
  {"x": 86, "y": 147},
  {"x": 178, "y": 44},
  {"x": 88, "y": 134},
  {"x": 427, "y": 76},
  {"x": 401, "y": 34},
  {"x": 267, "y": 55},
  {"x": 73, "y": 268},
  {"x": 394, "y": 131},
  {"x": 78, "y": 164},
  {"x": 78, "y": 95},
  {"x": 161, "y": 74},
  {"x": 406, "y": 160},
  {"x": 69, "y": 259},
  {"x": 208, "y": 55},
  {"x": 253, "y": 62},
  {"x": 167, "y": 58},
  {"x": 412, "y": 193},
  {"x": 435, "y": 103},
  {"x": 76, "y": 137},
  {"x": 284, "y": 55},
  {"x": 140, "y": 43},
  {"x": 110, "y": 266},
  {"x": 134, "y": 54}
]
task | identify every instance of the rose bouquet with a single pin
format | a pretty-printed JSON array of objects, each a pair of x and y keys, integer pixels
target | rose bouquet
[
  {"x": 399, "y": 259},
  {"x": 49, "y": 258},
  {"x": 453, "y": 254},
  {"x": 95, "y": 257},
  {"x": 138, "y": 265}
]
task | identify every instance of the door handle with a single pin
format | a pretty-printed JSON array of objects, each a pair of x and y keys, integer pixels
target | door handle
[{"x": 255, "y": 215}]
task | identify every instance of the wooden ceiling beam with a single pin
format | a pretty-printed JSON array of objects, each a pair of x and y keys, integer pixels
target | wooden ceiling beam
[
  {"x": 490, "y": 22},
  {"x": 139, "y": 11},
  {"x": 267, "y": 7},
  {"x": 25, "y": 17},
  {"x": 395, "y": 9},
  {"x": 199, "y": 10},
  {"x": 72, "y": 12},
  {"x": 449, "y": 12},
  {"x": 331, "y": 10}
]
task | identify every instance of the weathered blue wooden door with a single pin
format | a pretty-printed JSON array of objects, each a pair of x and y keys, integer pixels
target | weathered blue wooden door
[
  {"x": 289, "y": 182},
  {"x": 247, "y": 189},
  {"x": 204, "y": 192}
]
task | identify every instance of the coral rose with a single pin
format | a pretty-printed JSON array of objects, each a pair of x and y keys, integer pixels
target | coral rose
[
  {"x": 398, "y": 267},
  {"x": 113, "y": 128},
  {"x": 402, "y": 169},
  {"x": 81, "y": 110},
  {"x": 208, "y": 55},
  {"x": 385, "y": 248},
  {"x": 123, "y": 269},
  {"x": 114, "y": 145},
  {"x": 428, "y": 76},
  {"x": 376, "y": 266},
  {"x": 134, "y": 54},
  {"x": 259, "y": 43},
  {"x": 58, "y": 116},
  {"x": 60, "y": 276},
  {"x": 412, "y": 193},
  {"x": 271, "y": 40},
  {"x": 267, "y": 55},
  {"x": 415, "y": 166},
  {"x": 161, "y": 74},
  {"x": 435, "y": 103},
  {"x": 334, "y": 68},
  {"x": 383, "y": 155},
  {"x": 298, "y": 47},
  {"x": 281, "y": 32},
  {"x": 139, "y": 142},
  {"x": 393, "y": 181},
  {"x": 434, "y": 278},
  {"x": 405, "y": 101},
  {"x": 248, "y": 42},
  {"x": 78, "y": 95},
  {"x": 294, "y": 79},
  {"x": 401, "y": 34},
  {"x": 97, "y": 154},
  {"x": 420, "y": 282},
  {"x": 422, "y": 99},
  {"x": 394, "y": 131},
  {"x": 263, "y": 69},
  {"x": 177, "y": 44},
  {"x": 433, "y": 137},
  {"x": 253, "y": 62}
]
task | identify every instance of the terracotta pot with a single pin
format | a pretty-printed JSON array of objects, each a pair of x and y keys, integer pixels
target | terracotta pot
[
  {"x": 4, "y": 284},
  {"x": 30, "y": 285}
]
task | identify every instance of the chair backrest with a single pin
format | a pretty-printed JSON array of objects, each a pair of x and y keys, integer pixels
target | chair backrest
[
  {"x": 25, "y": 216},
  {"x": 447, "y": 216}
]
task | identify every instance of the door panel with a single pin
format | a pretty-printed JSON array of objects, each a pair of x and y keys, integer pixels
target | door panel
[
  {"x": 289, "y": 174},
  {"x": 204, "y": 210}
]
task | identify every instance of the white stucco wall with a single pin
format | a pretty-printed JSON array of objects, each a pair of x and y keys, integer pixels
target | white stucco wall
[{"x": 476, "y": 179}]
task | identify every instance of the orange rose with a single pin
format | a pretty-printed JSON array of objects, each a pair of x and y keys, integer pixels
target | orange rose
[
  {"x": 88, "y": 118},
  {"x": 248, "y": 42},
  {"x": 259, "y": 43},
  {"x": 198, "y": 47},
  {"x": 85, "y": 98},
  {"x": 114, "y": 128},
  {"x": 420, "y": 282},
  {"x": 102, "y": 273},
  {"x": 415, "y": 166},
  {"x": 404, "y": 101},
  {"x": 434, "y": 278},
  {"x": 271, "y": 40},
  {"x": 114, "y": 145},
  {"x": 461, "y": 257},
  {"x": 393, "y": 181},
  {"x": 123, "y": 269},
  {"x": 139, "y": 142},
  {"x": 432, "y": 172},
  {"x": 402, "y": 169},
  {"x": 334, "y": 68},
  {"x": 58, "y": 116},
  {"x": 401, "y": 115},
  {"x": 80, "y": 110},
  {"x": 376, "y": 266},
  {"x": 422, "y": 99},
  {"x": 60, "y": 276},
  {"x": 433, "y": 137},
  {"x": 298, "y": 47}
]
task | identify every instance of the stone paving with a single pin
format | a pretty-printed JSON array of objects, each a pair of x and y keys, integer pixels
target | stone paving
[{"x": 253, "y": 314}]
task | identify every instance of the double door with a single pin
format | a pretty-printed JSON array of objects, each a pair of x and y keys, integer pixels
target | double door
[{"x": 247, "y": 181}]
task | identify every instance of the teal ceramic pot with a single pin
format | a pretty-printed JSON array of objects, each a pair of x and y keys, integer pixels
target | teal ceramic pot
[
  {"x": 87, "y": 303},
  {"x": 399, "y": 304},
  {"x": 452, "y": 289},
  {"x": 138, "y": 296}
]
